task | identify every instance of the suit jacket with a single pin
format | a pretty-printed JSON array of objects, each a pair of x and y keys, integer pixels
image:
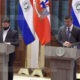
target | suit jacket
[
  {"x": 74, "y": 38},
  {"x": 12, "y": 37}
]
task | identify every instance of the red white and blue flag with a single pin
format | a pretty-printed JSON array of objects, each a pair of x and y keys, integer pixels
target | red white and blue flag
[
  {"x": 34, "y": 16},
  {"x": 25, "y": 20},
  {"x": 75, "y": 12}
]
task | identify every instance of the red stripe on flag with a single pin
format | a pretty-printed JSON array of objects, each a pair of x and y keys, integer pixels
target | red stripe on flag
[
  {"x": 42, "y": 25},
  {"x": 31, "y": 2}
]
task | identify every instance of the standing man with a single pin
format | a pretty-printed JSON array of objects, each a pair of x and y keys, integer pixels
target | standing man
[
  {"x": 69, "y": 36},
  {"x": 9, "y": 36}
]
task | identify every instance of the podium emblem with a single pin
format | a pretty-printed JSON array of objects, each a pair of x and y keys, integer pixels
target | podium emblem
[{"x": 59, "y": 51}]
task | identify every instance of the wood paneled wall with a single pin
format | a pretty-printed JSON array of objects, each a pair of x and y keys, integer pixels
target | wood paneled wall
[
  {"x": 20, "y": 55},
  {"x": 70, "y": 2},
  {"x": 2, "y": 10}
]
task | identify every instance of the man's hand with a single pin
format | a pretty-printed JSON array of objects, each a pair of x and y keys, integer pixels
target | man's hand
[{"x": 67, "y": 44}]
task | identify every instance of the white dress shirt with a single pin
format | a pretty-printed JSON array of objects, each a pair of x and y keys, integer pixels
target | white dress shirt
[
  {"x": 5, "y": 34},
  {"x": 70, "y": 28}
]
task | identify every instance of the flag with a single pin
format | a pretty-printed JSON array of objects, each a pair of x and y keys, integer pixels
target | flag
[
  {"x": 75, "y": 12},
  {"x": 25, "y": 20},
  {"x": 41, "y": 20}
]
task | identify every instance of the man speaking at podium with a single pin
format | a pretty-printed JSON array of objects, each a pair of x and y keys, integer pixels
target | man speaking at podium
[
  {"x": 69, "y": 36},
  {"x": 9, "y": 36}
]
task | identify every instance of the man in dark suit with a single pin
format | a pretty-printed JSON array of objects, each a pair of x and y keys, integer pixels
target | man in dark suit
[
  {"x": 69, "y": 36},
  {"x": 9, "y": 36}
]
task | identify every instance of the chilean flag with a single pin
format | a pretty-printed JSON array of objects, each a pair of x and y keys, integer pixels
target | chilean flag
[
  {"x": 41, "y": 16},
  {"x": 25, "y": 20},
  {"x": 75, "y": 12}
]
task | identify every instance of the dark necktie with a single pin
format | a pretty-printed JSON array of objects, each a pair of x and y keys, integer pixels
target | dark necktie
[{"x": 68, "y": 34}]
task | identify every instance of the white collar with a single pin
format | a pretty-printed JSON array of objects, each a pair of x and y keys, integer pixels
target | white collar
[{"x": 70, "y": 27}]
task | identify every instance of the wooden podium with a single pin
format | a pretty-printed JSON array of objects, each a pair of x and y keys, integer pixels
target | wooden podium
[
  {"x": 61, "y": 61},
  {"x": 5, "y": 50}
]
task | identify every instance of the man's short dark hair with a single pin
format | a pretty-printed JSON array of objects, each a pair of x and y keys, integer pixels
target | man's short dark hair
[
  {"x": 68, "y": 17},
  {"x": 5, "y": 19}
]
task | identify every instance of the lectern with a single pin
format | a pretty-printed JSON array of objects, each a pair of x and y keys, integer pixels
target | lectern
[
  {"x": 5, "y": 50},
  {"x": 61, "y": 61}
]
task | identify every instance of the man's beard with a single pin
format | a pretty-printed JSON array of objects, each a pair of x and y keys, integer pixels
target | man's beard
[{"x": 6, "y": 28}]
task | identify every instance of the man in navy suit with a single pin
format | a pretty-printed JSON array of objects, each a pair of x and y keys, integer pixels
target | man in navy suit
[
  {"x": 69, "y": 36},
  {"x": 9, "y": 36}
]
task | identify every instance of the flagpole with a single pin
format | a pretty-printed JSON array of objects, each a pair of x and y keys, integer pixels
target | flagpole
[
  {"x": 28, "y": 56},
  {"x": 35, "y": 53},
  {"x": 42, "y": 57}
]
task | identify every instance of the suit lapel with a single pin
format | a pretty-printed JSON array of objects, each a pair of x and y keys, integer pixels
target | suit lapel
[
  {"x": 8, "y": 35},
  {"x": 64, "y": 33},
  {"x": 1, "y": 36},
  {"x": 73, "y": 30},
  {"x": 72, "y": 37}
]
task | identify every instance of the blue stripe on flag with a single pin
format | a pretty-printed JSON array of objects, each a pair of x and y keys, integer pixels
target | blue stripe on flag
[
  {"x": 75, "y": 21},
  {"x": 23, "y": 25}
]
